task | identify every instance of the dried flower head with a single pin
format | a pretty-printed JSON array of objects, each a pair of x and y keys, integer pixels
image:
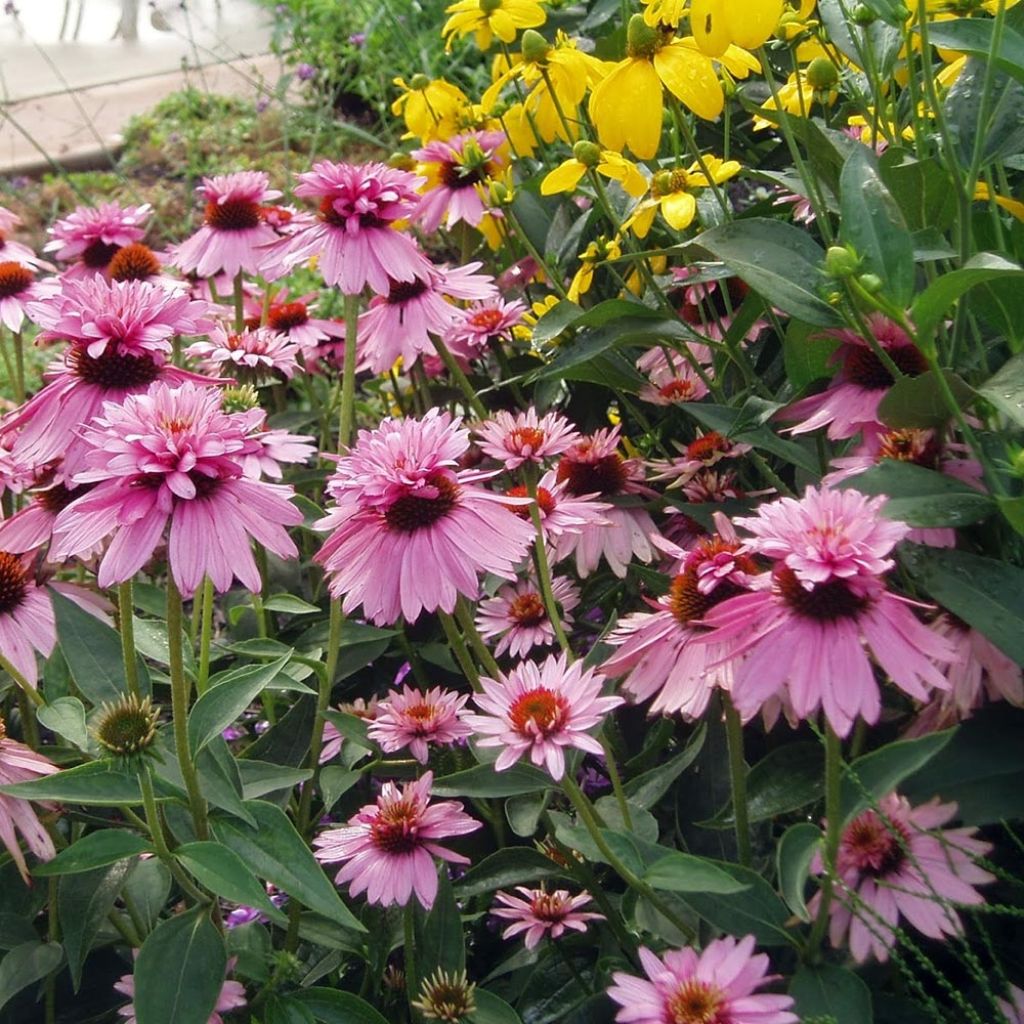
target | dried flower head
[
  {"x": 127, "y": 727},
  {"x": 447, "y": 997}
]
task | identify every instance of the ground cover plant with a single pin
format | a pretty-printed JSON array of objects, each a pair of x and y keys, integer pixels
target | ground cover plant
[{"x": 568, "y": 571}]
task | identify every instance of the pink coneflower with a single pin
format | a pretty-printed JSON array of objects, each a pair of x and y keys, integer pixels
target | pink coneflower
[
  {"x": 414, "y": 719},
  {"x": 897, "y": 862},
  {"x": 455, "y": 169},
  {"x": 93, "y": 235},
  {"x": 517, "y": 615},
  {"x": 19, "y": 763},
  {"x": 355, "y": 237},
  {"x": 479, "y": 322},
  {"x": 670, "y": 386},
  {"x": 11, "y": 250},
  {"x": 538, "y": 912},
  {"x": 410, "y": 533},
  {"x": 710, "y": 307},
  {"x": 256, "y": 354},
  {"x": 660, "y": 653},
  {"x": 16, "y": 475},
  {"x": 18, "y": 287},
  {"x": 525, "y": 437},
  {"x": 541, "y": 710},
  {"x": 390, "y": 845},
  {"x": 809, "y": 625},
  {"x": 800, "y": 207},
  {"x": 850, "y": 403},
  {"x": 713, "y": 487},
  {"x": 267, "y": 449},
  {"x": 172, "y": 457},
  {"x": 716, "y": 986},
  {"x": 562, "y": 515},
  {"x": 1013, "y": 1008},
  {"x": 293, "y": 317},
  {"x": 232, "y": 997},
  {"x": 700, "y": 454},
  {"x": 137, "y": 262},
  {"x": 399, "y": 324},
  {"x": 27, "y": 624},
  {"x": 592, "y": 466},
  {"x": 233, "y": 227},
  {"x": 333, "y": 739},
  {"x": 31, "y": 527}
]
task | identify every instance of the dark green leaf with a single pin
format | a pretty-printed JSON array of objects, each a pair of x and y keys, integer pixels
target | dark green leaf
[
  {"x": 1005, "y": 390},
  {"x": 555, "y": 321},
  {"x": 289, "y": 604},
  {"x": 329, "y": 1006},
  {"x": 352, "y": 727},
  {"x": 83, "y": 902},
  {"x": 918, "y": 402},
  {"x": 830, "y": 992},
  {"x": 286, "y": 743},
  {"x": 336, "y": 781},
  {"x": 260, "y": 778},
  {"x": 287, "y": 1010},
  {"x": 26, "y": 964},
  {"x": 647, "y": 789},
  {"x": 974, "y": 36},
  {"x": 807, "y": 354},
  {"x": 483, "y": 780},
  {"x": 92, "y": 650},
  {"x": 492, "y": 1010},
  {"x": 98, "y": 782},
  {"x": 179, "y": 971},
  {"x": 512, "y": 866},
  {"x": 148, "y": 885},
  {"x": 66, "y": 717},
  {"x": 95, "y": 850},
  {"x": 793, "y": 858},
  {"x": 682, "y": 872},
  {"x": 226, "y": 875},
  {"x": 438, "y": 934}
]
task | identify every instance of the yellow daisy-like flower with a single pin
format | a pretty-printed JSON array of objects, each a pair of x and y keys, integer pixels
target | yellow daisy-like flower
[
  {"x": 488, "y": 19},
  {"x": 802, "y": 89},
  {"x": 596, "y": 252},
  {"x": 982, "y": 193},
  {"x": 588, "y": 156},
  {"x": 718, "y": 24},
  {"x": 430, "y": 107},
  {"x": 962, "y": 7},
  {"x": 886, "y": 129},
  {"x": 674, "y": 193}
]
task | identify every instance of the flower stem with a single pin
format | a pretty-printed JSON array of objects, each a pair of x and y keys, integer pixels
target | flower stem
[
  {"x": 179, "y": 711},
  {"x": 346, "y": 417},
  {"x": 738, "y": 780},
  {"x": 458, "y": 645},
  {"x": 453, "y": 368},
  {"x": 833, "y": 834},
  {"x": 126, "y": 624},
  {"x": 239, "y": 303},
  {"x": 540, "y": 553},
  {"x": 206, "y": 635},
  {"x": 409, "y": 953},
  {"x": 19, "y": 367},
  {"x": 26, "y": 687},
  {"x": 464, "y": 614},
  {"x": 156, "y": 833}
]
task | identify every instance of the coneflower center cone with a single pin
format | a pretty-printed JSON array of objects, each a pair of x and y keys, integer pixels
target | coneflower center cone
[
  {"x": 14, "y": 279},
  {"x": 412, "y": 512},
  {"x": 13, "y": 582}
]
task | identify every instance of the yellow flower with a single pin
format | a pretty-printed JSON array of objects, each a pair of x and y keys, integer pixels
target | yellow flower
[
  {"x": 797, "y": 97},
  {"x": 888, "y": 130},
  {"x": 962, "y": 7},
  {"x": 717, "y": 24},
  {"x": 982, "y": 193},
  {"x": 626, "y": 107},
  {"x": 489, "y": 18},
  {"x": 596, "y": 252},
  {"x": 673, "y": 192},
  {"x": 587, "y": 156},
  {"x": 430, "y": 107}
]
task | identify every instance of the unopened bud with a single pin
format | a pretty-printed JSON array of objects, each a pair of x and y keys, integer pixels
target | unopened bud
[
  {"x": 864, "y": 15},
  {"x": 641, "y": 39},
  {"x": 588, "y": 153},
  {"x": 535, "y": 47},
  {"x": 871, "y": 283},
  {"x": 822, "y": 74},
  {"x": 419, "y": 82},
  {"x": 841, "y": 261}
]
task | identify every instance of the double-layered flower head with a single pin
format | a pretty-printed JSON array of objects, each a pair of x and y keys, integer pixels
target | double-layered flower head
[
  {"x": 390, "y": 845},
  {"x": 411, "y": 532},
  {"x": 538, "y": 912},
  {"x": 93, "y": 235},
  {"x": 250, "y": 354},
  {"x": 525, "y": 436},
  {"x": 173, "y": 456},
  {"x": 415, "y": 719},
  {"x": 26, "y": 616},
  {"x": 540, "y": 710},
  {"x": 517, "y": 614},
  {"x": 716, "y": 986}
]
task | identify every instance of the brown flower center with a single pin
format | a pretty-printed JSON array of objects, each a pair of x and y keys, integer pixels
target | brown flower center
[
  {"x": 14, "y": 279},
  {"x": 911, "y": 445},
  {"x": 825, "y": 602},
  {"x": 412, "y": 512},
  {"x": 135, "y": 262},
  {"x": 394, "y": 830},
  {"x": 405, "y": 291},
  {"x": 876, "y": 847},
  {"x": 538, "y": 711},
  {"x": 286, "y": 315},
  {"x": 458, "y": 176},
  {"x": 696, "y": 1002},
  {"x": 527, "y": 610},
  {"x": 13, "y": 582},
  {"x": 863, "y": 368},
  {"x": 57, "y": 498},
  {"x": 113, "y": 371},
  {"x": 98, "y": 254},
  {"x": 232, "y": 215},
  {"x": 606, "y": 475},
  {"x": 549, "y": 907}
]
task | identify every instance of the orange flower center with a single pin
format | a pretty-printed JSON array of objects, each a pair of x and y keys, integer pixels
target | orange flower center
[
  {"x": 13, "y": 582},
  {"x": 135, "y": 262},
  {"x": 538, "y": 711},
  {"x": 678, "y": 390},
  {"x": 696, "y": 1002},
  {"x": 526, "y": 437},
  {"x": 545, "y": 502},
  {"x": 910, "y": 445},
  {"x": 232, "y": 215},
  {"x": 527, "y": 610},
  {"x": 486, "y": 319},
  {"x": 14, "y": 279},
  {"x": 705, "y": 448}
]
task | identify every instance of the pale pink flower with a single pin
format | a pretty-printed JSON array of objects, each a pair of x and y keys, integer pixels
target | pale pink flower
[
  {"x": 399, "y": 323},
  {"x": 538, "y": 912},
  {"x": 27, "y": 624},
  {"x": 895, "y": 863},
  {"x": 355, "y": 238},
  {"x": 93, "y": 235},
  {"x": 390, "y": 844},
  {"x": 292, "y": 317},
  {"x": 411, "y": 532},
  {"x": 540, "y": 710},
  {"x": 455, "y": 169},
  {"x": 233, "y": 230},
  {"x": 701, "y": 454},
  {"x": 16, "y": 474},
  {"x": 525, "y": 436},
  {"x": 517, "y": 615},
  {"x": 479, "y": 322},
  {"x": 252, "y": 354},
  {"x": 592, "y": 466},
  {"x": 810, "y": 625},
  {"x": 670, "y": 386},
  {"x": 716, "y": 986},
  {"x": 267, "y": 449},
  {"x": 19, "y": 287},
  {"x": 850, "y": 402},
  {"x": 31, "y": 527},
  {"x": 19, "y": 763},
  {"x": 1013, "y": 1008},
  {"x": 15, "y": 251},
  {"x": 173, "y": 458},
  {"x": 232, "y": 997},
  {"x": 414, "y": 719},
  {"x": 333, "y": 738},
  {"x": 710, "y": 307},
  {"x": 800, "y": 207},
  {"x": 562, "y": 514}
]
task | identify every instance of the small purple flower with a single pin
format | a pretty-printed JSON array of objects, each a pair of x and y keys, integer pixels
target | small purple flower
[
  {"x": 357, "y": 38},
  {"x": 402, "y": 673},
  {"x": 243, "y": 915},
  {"x": 10, "y": 9},
  {"x": 234, "y": 732},
  {"x": 304, "y": 72},
  {"x": 261, "y": 104}
]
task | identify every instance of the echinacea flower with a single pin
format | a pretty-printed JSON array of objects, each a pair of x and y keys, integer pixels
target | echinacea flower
[
  {"x": 92, "y": 236},
  {"x": 475, "y": 325},
  {"x": 18, "y": 287},
  {"x": 390, "y": 845},
  {"x": 293, "y": 317},
  {"x": 233, "y": 229},
  {"x": 333, "y": 738},
  {"x": 517, "y": 615},
  {"x": 670, "y": 386},
  {"x": 12, "y": 250},
  {"x": 415, "y": 719},
  {"x": 31, "y": 527},
  {"x": 410, "y": 532},
  {"x": 540, "y": 710},
  {"x": 897, "y": 862},
  {"x": 716, "y": 986},
  {"x": 231, "y": 997},
  {"x": 538, "y": 913},
  {"x": 355, "y": 236},
  {"x": 701, "y": 454},
  {"x": 446, "y": 996},
  {"x": 525, "y": 436},
  {"x": 27, "y": 624},
  {"x": 19, "y": 763},
  {"x": 562, "y": 514},
  {"x": 250, "y": 354},
  {"x": 810, "y": 625},
  {"x": 172, "y": 457}
]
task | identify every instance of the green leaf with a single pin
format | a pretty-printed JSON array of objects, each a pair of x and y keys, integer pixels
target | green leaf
[
  {"x": 260, "y": 777},
  {"x": 986, "y": 594},
  {"x": 226, "y": 875},
  {"x": 221, "y": 705},
  {"x": 793, "y": 858},
  {"x": 682, "y": 872},
  {"x": 92, "y": 650},
  {"x": 352, "y": 727},
  {"x": 26, "y": 964},
  {"x": 647, "y": 789},
  {"x": 148, "y": 885},
  {"x": 1005, "y": 389},
  {"x": 335, "y": 781},
  {"x": 829, "y": 992},
  {"x": 66, "y": 717},
  {"x": 287, "y": 1010},
  {"x": 917, "y": 401},
  {"x": 492, "y": 1010},
  {"x": 329, "y": 1006},
  {"x": 483, "y": 780},
  {"x": 974, "y": 36},
  {"x": 179, "y": 971},
  {"x": 277, "y": 853},
  {"x": 289, "y": 604},
  {"x": 95, "y": 850},
  {"x": 83, "y": 902},
  {"x": 100, "y": 783},
  {"x": 556, "y": 320},
  {"x": 440, "y": 944},
  {"x": 921, "y": 497},
  {"x": 933, "y": 304},
  {"x": 877, "y": 774},
  {"x": 513, "y": 865},
  {"x": 873, "y": 224},
  {"x": 807, "y": 354},
  {"x": 783, "y": 264},
  {"x": 286, "y": 743}
]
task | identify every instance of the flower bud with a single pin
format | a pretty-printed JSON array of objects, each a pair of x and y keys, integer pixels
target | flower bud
[
  {"x": 871, "y": 283},
  {"x": 822, "y": 74},
  {"x": 127, "y": 727},
  {"x": 535, "y": 47},
  {"x": 588, "y": 153},
  {"x": 841, "y": 261},
  {"x": 419, "y": 82},
  {"x": 641, "y": 39},
  {"x": 489, "y": 6}
]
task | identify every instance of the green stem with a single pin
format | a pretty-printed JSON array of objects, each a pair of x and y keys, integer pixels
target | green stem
[
  {"x": 126, "y": 624},
  {"x": 453, "y": 368},
  {"x": 540, "y": 554},
  {"x": 346, "y": 417},
  {"x": 179, "y": 711},
  {"x": 464, "y": 615},
  {"x": 239, "y": 295},
  {"x": 29, "y": 725},
  {"x": 156, "y": 833},
  {"x": 205, "y": 637},
  {"x": 409, "y": 953},
  {"x": 19, "y": 367},
  {"x": 833, "y": 834},
  {"x": 458, "y": 645},
  {"x": 25, "y": 686},
  {"x": 616, "y": 781},
  {"x": 52, "y": 935},
  {"x": 738, "y": 780}
]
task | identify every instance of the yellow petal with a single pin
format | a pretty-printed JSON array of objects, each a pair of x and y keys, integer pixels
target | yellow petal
[
  {"x": 710, "y": 26},
  {"x": 679, "y": 209},
  {"x": 691, "y": 78},
  {"x": 642, "y": 219},
  {"x": 563, "y": 178},
  {"x": 625, "y": 173},
  {"x": 626, "y": 108},
  {"x": 751, "y": 24}
]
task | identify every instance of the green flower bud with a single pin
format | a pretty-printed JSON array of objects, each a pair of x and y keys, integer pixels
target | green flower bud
[
  {"x": 641, "y": 39},
  {"x": 841, "y": 261},
  {"x": 128, "y": 727},
  {"x": 535, "y": 47},
  {"x": 864, "y": 15},
  {"x": 489, "y": 6},
  {"x": 822, "y": 74},
  {"x": 588, "y": 153},
  {"x": 871, "y": 283},
  {"x": 419, "y": 82}
]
